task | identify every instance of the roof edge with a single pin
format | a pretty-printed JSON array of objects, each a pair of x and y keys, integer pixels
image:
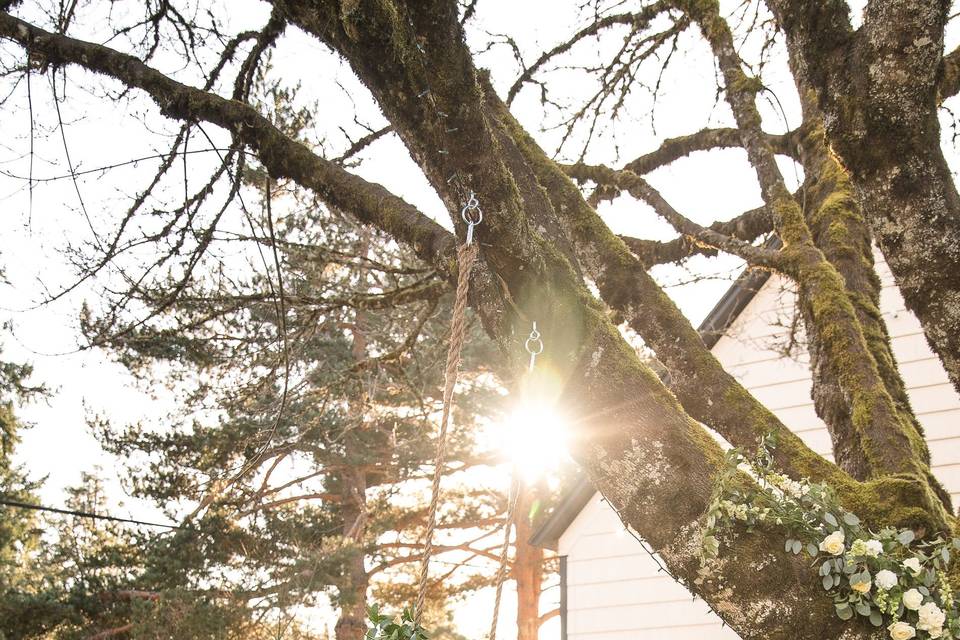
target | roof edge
[{"x": 548, "y": 534}]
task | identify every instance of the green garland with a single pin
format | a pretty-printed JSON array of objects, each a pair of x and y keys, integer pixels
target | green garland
[{"x": 886, "y": 577}]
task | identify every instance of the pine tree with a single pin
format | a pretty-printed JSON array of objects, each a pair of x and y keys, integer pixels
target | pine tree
[{"x": 306, "y": 441}]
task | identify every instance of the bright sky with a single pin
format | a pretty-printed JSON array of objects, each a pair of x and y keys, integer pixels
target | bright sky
[{"x": 706, "y": 187}]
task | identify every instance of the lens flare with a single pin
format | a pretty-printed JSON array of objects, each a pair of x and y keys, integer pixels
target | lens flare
[{"x": 534, "y": 437}]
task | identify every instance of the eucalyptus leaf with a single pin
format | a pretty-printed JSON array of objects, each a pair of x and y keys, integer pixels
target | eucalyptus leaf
[
  {"x": 850, "y": 519},
  {"x": 825, "y": 568},
  {"x": 797, "y": 547},
  {"x": 830, "y": 519},
  {"x": 876, "y": 619},
  {"x": 827, "y": 582},
  {"x": 906, "y": 537},
  {"x": 844, "y": 612}
]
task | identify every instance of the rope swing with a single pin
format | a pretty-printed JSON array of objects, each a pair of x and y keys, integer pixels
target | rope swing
[{"x": 472, "y": 215}]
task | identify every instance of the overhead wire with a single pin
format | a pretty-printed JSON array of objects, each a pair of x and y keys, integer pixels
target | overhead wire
[{"x": 17, "y": 504}]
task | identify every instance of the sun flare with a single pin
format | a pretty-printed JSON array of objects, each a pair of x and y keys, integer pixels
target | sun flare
[{"x": 534, "y": 437}]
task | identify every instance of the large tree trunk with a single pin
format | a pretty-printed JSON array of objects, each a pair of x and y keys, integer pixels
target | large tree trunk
[
  {"x": 651, "y": 460},
  {"x": 353, "y": 490},
  {"x": 878, "y": 90},
  {"x": 352, "y": 624},
  {"x": 527, "y": 566},
  {"x": 839, "y": 229},
  {"x": 629, "y": 426}
]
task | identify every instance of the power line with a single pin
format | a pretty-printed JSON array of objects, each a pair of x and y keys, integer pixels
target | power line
[{"x": 82, "y": 514}]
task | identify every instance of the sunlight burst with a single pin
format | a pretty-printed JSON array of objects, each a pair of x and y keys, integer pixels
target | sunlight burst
[{"x": 534, "y": 437}]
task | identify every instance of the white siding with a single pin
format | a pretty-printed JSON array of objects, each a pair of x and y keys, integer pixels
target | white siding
[{"x": 614, "y": 589}]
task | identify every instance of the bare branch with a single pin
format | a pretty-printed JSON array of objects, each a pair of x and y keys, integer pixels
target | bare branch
[
  {"x": 362, "y": 144},
  {"x": 284, "y": 157},
  {"x": 748, "y": 226},
  {"x": 642, "y": 190},
  {"x": 949, "y": 75},
  {"x": 636, "y": 20}
]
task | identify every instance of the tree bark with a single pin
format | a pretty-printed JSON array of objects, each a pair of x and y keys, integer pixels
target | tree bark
[
  {"x": 878, "y": 440},
  {"x": 839, "y": 229},
  {"x": 527, "y": 566},
  {"x": 878, "y": 89},
  {"x": 352, "y": 596}
]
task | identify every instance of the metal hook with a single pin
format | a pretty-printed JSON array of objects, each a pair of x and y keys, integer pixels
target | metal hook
[
  {"x": 533, "y": 345},
  {"x": 472, "y": 205}
]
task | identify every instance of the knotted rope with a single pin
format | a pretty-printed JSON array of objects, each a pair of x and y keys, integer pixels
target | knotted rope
[{"x": 466, "y": 256}]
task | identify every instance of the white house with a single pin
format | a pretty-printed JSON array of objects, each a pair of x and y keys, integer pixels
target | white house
[{"x": 611, "y": 589}]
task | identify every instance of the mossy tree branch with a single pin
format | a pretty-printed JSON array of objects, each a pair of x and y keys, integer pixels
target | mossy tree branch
[
  {"x": 883, "y": 443},
  {"x": 879, "y": 89},
  {"x": 839, "y": 229},
  {"x": 672, "y": 149},
  {"x": 707, "y": 392},
  {"x": 639, "y": 188}
]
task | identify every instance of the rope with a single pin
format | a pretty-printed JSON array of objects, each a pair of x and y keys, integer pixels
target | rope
[
  {"x": 502, "y": 570},
  {"x": 466, "y": 256}
]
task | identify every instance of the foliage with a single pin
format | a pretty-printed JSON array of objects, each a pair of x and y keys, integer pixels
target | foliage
[
  {"x": 308, "y": 388},
  {"x": 22, "y": 600},
  {"x": 385, "y": 627},
  {"x": 887, "y": 577}
]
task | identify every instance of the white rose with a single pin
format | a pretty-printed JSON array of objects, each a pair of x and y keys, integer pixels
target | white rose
[
  {"x": 833, "y": 543},
  {"x": 931, "y": 618},
  {"x": 913, "y": 564},
  {"x": 861, "y": 587},
  {"x": 912, "y": 599},
  {"x": 885, "y": 579},
  {"x": 874, "y": 548},
  {"x": 901, "y": 631}
]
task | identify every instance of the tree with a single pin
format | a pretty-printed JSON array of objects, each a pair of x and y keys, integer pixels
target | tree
[
  {"x": 869, "y": 95},
  {"x": 19, "y": 534},
  {"x": 309, "y": 395}
]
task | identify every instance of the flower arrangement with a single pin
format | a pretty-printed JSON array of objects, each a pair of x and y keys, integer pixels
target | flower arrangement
[
  {"x": 384, "y": 627},
  {"x": 886, "y": 577}
]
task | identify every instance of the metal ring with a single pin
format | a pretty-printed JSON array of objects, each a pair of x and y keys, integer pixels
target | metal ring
[
  {"x": 467, "y": 219},
  {"x": 533, "y": 340}
]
